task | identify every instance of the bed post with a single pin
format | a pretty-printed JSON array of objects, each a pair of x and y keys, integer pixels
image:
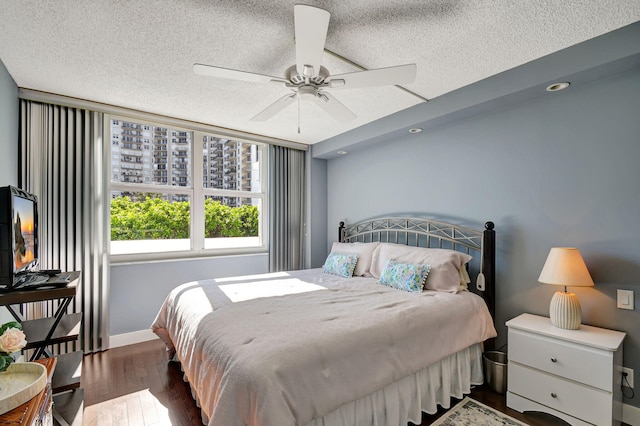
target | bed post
[
  {"x": 341, "y": 232},
  {"x": 489, "y": 265},
  {"x": 489, "y": 272}
]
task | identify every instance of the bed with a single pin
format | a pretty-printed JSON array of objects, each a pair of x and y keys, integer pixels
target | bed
[{"x": 392, "y": 325}]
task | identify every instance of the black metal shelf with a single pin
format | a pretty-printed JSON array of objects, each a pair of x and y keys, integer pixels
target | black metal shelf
[
  {"x": 44, "y": 332},
  {"x": 68, "y": 372},
  {"x": 68, "y": 330},
  {"x": 69, "y": 406}
]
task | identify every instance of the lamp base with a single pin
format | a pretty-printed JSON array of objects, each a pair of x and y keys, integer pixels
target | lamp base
[{"x": 565, "y": 311}]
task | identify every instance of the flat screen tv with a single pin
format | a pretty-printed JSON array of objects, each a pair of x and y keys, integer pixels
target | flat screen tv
[{"x": 18, "y": 233}]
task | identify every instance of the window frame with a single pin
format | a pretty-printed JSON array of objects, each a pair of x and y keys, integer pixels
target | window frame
[{"x": 196, "y": 193}]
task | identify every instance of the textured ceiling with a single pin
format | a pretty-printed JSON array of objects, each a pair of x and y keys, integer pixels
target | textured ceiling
[{"x": 139, "y": 54}]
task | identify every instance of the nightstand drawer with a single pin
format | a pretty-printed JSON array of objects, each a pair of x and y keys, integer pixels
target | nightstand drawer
[
  {"x": 583, "y": 402},
  {"x": 580, "y": 363}
]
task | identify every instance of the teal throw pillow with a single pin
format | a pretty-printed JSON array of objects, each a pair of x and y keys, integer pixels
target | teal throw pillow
[
  {"x": 340, "y": 264},
  {"x": 404, "y": 276}
]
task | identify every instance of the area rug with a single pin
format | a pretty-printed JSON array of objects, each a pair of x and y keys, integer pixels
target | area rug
[{"x": 469, "y": 412}]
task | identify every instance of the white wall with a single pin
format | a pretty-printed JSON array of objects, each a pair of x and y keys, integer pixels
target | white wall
[
  {"x": 8, "y": 141},
  {"x": 9, "y": 123}
]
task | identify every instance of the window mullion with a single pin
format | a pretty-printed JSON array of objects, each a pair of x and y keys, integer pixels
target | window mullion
[
  {"x": 197, "y": 202},
  {"x": 263, "y": 226}
]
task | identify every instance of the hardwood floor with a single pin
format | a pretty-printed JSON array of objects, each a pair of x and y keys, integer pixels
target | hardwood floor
[{"x": 135, "y": 385}]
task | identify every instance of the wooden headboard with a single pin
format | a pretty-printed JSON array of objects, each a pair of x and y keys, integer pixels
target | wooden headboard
[{"x": 421, "y": 232}]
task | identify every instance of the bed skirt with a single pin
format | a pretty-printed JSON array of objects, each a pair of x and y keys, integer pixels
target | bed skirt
[{"x": 405, "y": 400}]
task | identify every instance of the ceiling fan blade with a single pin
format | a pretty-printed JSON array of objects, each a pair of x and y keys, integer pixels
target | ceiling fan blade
[
  {"x": 274, "y": 108},
  {"x": 401, "y": 74},
  {"x": 311, "y": 25},
  {"x": 211, "y": 71},
  {"x": 334, "y": 107}
]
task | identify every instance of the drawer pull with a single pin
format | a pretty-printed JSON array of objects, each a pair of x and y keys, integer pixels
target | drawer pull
[
  {"x": 554, "y": 359},
  {"x": 554, "y": 395}
]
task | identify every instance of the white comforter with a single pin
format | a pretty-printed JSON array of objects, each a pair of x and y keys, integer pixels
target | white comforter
[{"x": 284, "y": 348}]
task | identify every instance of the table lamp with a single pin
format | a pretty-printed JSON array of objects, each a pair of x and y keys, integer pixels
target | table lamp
[{"x": 565, "y": 266}]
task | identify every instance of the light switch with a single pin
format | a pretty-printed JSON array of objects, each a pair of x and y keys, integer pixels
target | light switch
[{"x": 625, "y": 299}]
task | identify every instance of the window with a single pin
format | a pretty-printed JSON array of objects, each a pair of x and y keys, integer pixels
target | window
[{"x": 184, "y": 191}]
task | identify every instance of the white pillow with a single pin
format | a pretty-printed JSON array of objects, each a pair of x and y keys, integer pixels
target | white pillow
[
  {"x": 464, "y": 278},
  {"x": 364, "y": 252},
  {"x": 444, "y": 274}
]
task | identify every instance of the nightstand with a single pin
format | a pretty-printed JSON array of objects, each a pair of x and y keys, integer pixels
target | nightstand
[{"x": 571, "y": 374}]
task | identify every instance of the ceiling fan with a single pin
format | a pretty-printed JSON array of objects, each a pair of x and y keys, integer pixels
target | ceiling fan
[{"x": 307, "y": 78}]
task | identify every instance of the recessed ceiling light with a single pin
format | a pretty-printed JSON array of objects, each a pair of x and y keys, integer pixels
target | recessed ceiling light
[
  {"x": 555, "y": 87},
  {"x": 415, "y": 130},
  {"x": 342, "y": 152}
]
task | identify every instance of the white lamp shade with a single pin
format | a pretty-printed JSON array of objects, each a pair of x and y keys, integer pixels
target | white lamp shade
[{"x": 565, "y": 266}]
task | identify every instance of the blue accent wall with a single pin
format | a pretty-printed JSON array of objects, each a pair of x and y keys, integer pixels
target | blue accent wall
[
  {"x": 560, "y": 169},
  {"x": 316, "y": 224}
]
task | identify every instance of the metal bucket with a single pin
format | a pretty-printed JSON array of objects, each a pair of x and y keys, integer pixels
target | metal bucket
[{"x": 495, "y": 370}]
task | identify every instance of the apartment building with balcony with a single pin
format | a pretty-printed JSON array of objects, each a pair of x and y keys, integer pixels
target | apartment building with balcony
[{"x": 146, "y": 154}]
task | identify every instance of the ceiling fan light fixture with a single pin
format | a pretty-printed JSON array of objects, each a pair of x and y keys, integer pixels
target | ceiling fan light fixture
[{"x": 307, "y": 92}]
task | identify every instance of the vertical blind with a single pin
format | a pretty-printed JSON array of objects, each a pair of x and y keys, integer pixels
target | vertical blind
[
  {"x": 286, "y": 209},
  {"x": 60, "y": 160}
]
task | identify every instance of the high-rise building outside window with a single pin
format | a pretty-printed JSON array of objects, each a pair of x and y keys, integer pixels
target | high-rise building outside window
[{"x": 184, "y": 191}]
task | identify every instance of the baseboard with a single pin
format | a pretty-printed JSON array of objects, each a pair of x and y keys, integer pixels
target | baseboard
[
  {"x": 131, "y": 338},
  {"x": 630, "y": 415}
]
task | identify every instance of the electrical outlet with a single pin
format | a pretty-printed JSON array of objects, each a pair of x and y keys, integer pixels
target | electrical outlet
[{"x": 627, "y": 381}]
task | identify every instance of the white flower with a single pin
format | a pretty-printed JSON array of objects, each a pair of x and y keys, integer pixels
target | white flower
[{"x": 12, "y": 340}]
